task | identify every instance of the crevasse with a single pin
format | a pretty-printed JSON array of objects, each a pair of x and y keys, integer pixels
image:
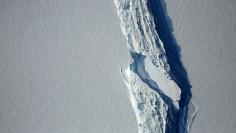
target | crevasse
[{"x": 153, "y": 93}]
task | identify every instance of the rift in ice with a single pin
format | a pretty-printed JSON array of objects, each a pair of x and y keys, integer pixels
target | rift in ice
[{"x": 159, "y": 89}]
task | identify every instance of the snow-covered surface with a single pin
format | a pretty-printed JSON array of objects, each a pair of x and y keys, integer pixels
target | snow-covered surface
[
  {"x": 59, "y": 68},
  {"x": 59, "y": 65},
  {"x": 205, "y": 31}
]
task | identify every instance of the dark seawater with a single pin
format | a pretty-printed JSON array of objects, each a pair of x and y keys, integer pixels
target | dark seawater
[{"x": 165, "y": 29}]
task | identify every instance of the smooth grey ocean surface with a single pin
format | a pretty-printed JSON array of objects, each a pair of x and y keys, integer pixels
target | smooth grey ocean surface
[
  {"x": 59, "y": 68},
  {"x": 206, "y": 33}
]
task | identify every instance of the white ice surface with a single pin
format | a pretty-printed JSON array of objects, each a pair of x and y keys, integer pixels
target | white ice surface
[
  {"x": 205, "y": 31},
  {"x": 59, "y": 68},
  {"x": 167, "y": 86}
]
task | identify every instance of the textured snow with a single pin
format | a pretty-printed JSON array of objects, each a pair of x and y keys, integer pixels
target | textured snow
[{"x": 150, "y": 109}]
